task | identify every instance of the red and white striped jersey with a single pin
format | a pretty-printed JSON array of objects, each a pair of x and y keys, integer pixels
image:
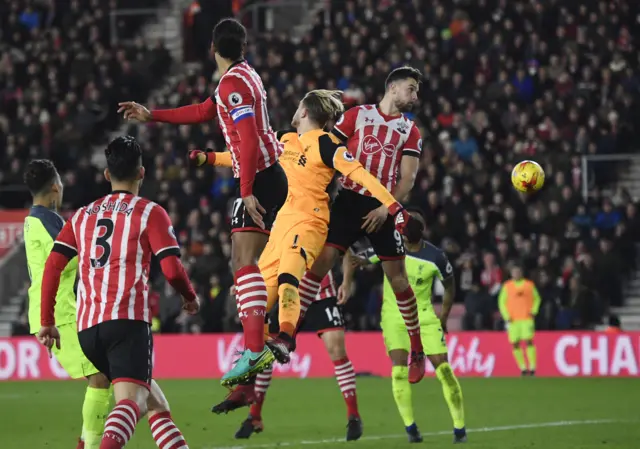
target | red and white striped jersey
[
  {"x": 327, "y": 287},
  {"x": 114, "y": 238},
  {"x": 378, "y": 141},
  {"x": 240, "y": 93}
]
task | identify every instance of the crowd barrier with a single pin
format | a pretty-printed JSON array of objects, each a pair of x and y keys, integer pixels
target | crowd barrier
[{"x": 479, "y": 354}]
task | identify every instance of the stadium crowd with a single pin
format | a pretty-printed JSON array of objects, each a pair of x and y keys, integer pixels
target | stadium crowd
[
  {"x": 503, "y": 81},
  {"x": 61, "y": 76}
]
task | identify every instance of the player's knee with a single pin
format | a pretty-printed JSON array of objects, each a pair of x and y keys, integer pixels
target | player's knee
[
  {"x": 99, "y": 380},
  {"x": 335, "y": 345},
  {"x": 325, "y": 261},
  {"x": 156, "y": 402},
  {"x": 245, "y": 249},
  {"x": 437, "y": 360},
  {"x": 399, "y": 282},
  {"x": 398, "y": 357},
  {"x": 529, "y": 342},
  {"x": 516, "y": 345}
]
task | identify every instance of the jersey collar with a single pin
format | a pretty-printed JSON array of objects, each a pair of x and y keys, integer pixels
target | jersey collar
[
  {"x": 126, "y": 192},
  {"x": 235, "y": 63},
  {"x": 385, "y": 116}
]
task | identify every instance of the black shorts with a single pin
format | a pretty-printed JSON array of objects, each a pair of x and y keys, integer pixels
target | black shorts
[
  {"x": 270, "y": 188},
  {"x": 322, "y": 316},
  {"x": 346, "y": 220},
  {"x": 122, "y": 350}
]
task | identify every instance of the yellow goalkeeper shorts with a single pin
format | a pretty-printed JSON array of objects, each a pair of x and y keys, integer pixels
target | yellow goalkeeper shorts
[
  {"x": 521, "y": 330},
  {"x": 70, "y": 355},
  {"x": 396, "y": 336}
]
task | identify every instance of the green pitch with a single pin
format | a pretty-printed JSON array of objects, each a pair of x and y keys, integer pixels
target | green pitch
[{"x": 501, "y": 413}]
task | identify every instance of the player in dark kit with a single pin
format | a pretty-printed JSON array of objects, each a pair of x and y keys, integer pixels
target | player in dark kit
[
  {"x": 387, "y": 144},
  {"x": 114, "y": 238},
  {"x": 240, "y": 104}
]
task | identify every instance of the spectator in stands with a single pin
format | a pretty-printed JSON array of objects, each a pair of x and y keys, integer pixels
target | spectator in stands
[{"x": 543, "y": 81}]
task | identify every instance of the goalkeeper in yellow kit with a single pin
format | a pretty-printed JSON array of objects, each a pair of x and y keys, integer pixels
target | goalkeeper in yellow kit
[
  {"x": 41, "y": 228},
  {"x": 425, "y": 263}
]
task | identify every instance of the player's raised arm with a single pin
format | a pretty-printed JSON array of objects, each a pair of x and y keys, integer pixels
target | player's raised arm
[
  {"x": 337, "y": 157},
  {"x": 193, "y": 113},
  {"x": 209, "y": 157},
  {"x": 409, "y": 164},
  {"x": 64, "y": 249}
]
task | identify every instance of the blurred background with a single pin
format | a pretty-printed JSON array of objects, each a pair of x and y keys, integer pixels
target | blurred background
[{"x": 555, "y": 81}]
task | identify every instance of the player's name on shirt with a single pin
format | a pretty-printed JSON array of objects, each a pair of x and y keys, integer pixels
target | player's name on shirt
[{"x": 113, "y": 205}]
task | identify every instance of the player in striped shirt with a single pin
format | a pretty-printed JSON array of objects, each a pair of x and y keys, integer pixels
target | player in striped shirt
[
  {"x": 41, "y": 228},
  {"x": 240, "y": 104},
  {"x": 321, "y": 314},
  {"x": 114, "y": 238},
  {"x": 387, "y": 144}
]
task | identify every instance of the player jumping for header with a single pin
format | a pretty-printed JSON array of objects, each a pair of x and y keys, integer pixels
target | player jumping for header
[
  {"x": 240, "y": 103},
  {"x": 383, "y": 140},
  {"x": 311, "y": 157}
]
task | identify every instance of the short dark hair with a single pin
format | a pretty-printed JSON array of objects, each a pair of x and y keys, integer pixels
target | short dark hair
[
  {"x": 229, "y": 39},
  {"x": 403, "y": 73},
  {"x": 416, "y": 210},
  {"x": 40, "y": 175},
  {"x": 124, "y": 158}
]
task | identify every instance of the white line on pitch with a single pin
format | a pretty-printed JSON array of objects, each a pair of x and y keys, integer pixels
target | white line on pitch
[{"x": 427, "y": 434}]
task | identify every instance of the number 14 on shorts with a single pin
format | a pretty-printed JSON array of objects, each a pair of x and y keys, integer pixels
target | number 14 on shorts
[{"x": 334, "y": 316}]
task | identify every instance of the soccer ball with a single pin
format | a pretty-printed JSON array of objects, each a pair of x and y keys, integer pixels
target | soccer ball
[{"x": 527, "y": 177}]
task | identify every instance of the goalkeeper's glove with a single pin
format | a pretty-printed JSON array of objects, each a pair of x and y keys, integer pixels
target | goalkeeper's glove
[
  {"x": 404, "y": 223},
  {"x": 200, "y": 158}
]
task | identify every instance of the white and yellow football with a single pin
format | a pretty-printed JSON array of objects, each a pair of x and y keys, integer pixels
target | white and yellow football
[{"x": 527, "y": 176}]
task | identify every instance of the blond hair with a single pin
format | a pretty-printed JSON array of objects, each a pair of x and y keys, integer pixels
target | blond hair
[{"x": 323, "y": 105}]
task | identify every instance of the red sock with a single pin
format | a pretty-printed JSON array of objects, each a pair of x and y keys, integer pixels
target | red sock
[
  {"x": 308, "y": 290},
  {"x": 165, "y": 433},
  {"x": 80, "y": 444},
  {"x": 251, "y": 299},
  {"x": 120, "y": 425},
  {"x": 346, "y": 377},
  {"x": 409, "y": 310},
  {"x": 262, "y": 383}
]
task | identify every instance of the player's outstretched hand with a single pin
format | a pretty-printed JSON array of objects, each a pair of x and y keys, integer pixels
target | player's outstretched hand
[
  {"x": 344, "y": 293},
  {"x": 401, "y": 217},
  {"x": 134, "y": 111},
  {"x": 374, "y": 220},
  {"x": 48, "y": 336},
  {"x": 198, "y": 157},
  {"x": 254, "y": 209},
  {"x": 191, "y": 307}
]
